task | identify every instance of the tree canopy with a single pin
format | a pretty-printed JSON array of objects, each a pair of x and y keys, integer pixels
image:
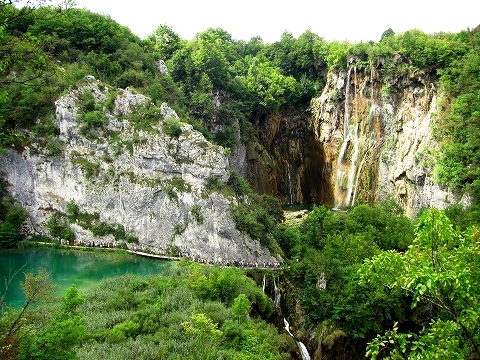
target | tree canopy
[{"x": 440, "y": 269}]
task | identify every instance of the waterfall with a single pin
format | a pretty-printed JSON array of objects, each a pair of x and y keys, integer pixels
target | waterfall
[
  {"x": 289, "y": 185},
  {"x": 346, "y": 168},
  {"x": 370, "y": 142},
  {"x": 354, "y": 195},
  {"x": 301, "y": 346},
  {"x": 264, "y": 282},
  {"x": 278, "y": 296}
]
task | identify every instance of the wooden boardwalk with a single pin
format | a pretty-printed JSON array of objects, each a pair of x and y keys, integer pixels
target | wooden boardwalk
[
  {"x": 163, "y": 257},
  {"x": 166, "y": 257}
]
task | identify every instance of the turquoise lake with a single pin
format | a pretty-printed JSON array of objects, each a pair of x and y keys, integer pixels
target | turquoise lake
[{"x": 67, "y": 267}]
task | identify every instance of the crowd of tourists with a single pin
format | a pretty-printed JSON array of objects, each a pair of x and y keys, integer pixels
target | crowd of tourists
[{"x": 172, "y": 253}]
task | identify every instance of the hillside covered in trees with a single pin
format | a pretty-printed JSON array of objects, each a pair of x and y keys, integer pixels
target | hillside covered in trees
[
  {"x": 219, "y": 84},
  {"x": 366, "y": 281}
]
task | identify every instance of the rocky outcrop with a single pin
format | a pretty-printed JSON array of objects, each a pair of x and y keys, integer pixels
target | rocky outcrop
[
  {"x": 376, "y": 133},
  {"x": 368, "y": 136},
  {"x": 150, "y": 183}
]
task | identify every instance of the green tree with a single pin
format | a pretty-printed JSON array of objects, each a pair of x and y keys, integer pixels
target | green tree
[
  {"x": 8, "y": 234},
  {"x": 22, "y": 61},
  {"x": 165, "y": 42},
  {"x": 441, "y": 268},
  {"x": 61, "y": 335},
  {"x": 72, "y": 300},
  {"x": 241, "y": 307},
  {"x": 37, "y": 288},
  {"x": 201, "y": 326},
  {"x": 267, "y": 87},
  {"x": 316, "y": 227},
  {"x": 387, "y": 33},
  {"x": 205, "y": 336}
]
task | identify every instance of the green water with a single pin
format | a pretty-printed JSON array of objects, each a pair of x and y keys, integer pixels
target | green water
[{"x": 67, "y": 267}]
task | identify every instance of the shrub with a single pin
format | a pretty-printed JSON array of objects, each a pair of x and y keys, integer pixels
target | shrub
[
  {"x": 214, "y": 183},
  {"x": 172, "y": 127},
  {"x": 179, "y": 229},
  {"x": 58, "y": 227},
  {"x": 72, "y": 209},
  {"x": 91, "y": 169},
  {"x": 239, "y": 184},
  {"x": 90, "y": 121},
  {"x": 195, "y": 210},
  {"x": 8, "y": 234},
  {"x": 54, "y": 147},
  {"x": 88, "y": 101},
  {"x": 171, "y": 194}
]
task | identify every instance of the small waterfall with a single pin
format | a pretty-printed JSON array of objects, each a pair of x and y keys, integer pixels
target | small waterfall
[
  {"x": 278, "y": 296},
  {"x": 301, "y": 346},
  {"x": 370, "y": 142},
  {"x": 264, "y": 282},
  {"x": 289, "y": 185}
]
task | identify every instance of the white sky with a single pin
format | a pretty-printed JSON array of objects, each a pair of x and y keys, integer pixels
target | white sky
[{"x": 360, "y": 20}]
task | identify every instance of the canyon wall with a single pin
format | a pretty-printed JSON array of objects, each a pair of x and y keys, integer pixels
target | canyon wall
[
  {"x": 286, "y": 161},
  {"x": 376, "y": 132},
  {"x": 368, "y": 136}
]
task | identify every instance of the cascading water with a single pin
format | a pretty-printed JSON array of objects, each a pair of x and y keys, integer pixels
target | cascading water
[
  {"x": 289, "y": 185},
  {"x": 301, "y": 346},
  {"x": 264, "y": 282},
  {"x": 278, "y": 296},
  {"x": 371, "y": 146},
  {"x": 367, "y": 145},
  {"x": 346, "y": 167}
]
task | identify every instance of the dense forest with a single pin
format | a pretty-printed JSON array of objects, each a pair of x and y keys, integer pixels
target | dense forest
[{"x": 395, "y": 287}]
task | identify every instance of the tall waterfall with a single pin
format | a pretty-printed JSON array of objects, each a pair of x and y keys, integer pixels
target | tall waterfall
[
  {"x": 301, "y": 346},
  {"x": 350, "y": 149},
  {"x": 264, "y": 282}
]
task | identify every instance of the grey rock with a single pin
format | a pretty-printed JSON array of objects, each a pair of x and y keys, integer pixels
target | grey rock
[{"x": 149, "y": 188}]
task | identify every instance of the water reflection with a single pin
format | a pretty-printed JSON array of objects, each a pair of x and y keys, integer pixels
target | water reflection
[{"x": 82, "y": 268}]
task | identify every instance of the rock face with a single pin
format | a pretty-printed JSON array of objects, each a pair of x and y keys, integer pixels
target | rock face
[
  {"x": 151, "y": 183},
  {"x": 287, "y": 161},
  {"x": 368, "y": 136},
  {"x": 377, "y": 137}
]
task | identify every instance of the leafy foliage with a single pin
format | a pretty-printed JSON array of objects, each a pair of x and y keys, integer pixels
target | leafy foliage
[
  {"x": 167, "y": 316},
  {"x": 458, "y": 128},
  {"x": 15, "y": 326},
  {"x": 440, "y": 269},
  {"x": 172, "y": 127},
  {"x": 220, "y": 85},
  {"x": 92, "y": 222},
  {"x": 258, "y": 217},
  {"x": 331, "y": 246},
  {"x": 58, "y": 227},
  {"x": 11, "y": 218}
]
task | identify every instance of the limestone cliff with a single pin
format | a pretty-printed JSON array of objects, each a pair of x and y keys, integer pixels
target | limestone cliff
[
  {"x": 368, "y": 136},
  {"x": 376, "y": 132},
  {"x": 150, "y": 183}
]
